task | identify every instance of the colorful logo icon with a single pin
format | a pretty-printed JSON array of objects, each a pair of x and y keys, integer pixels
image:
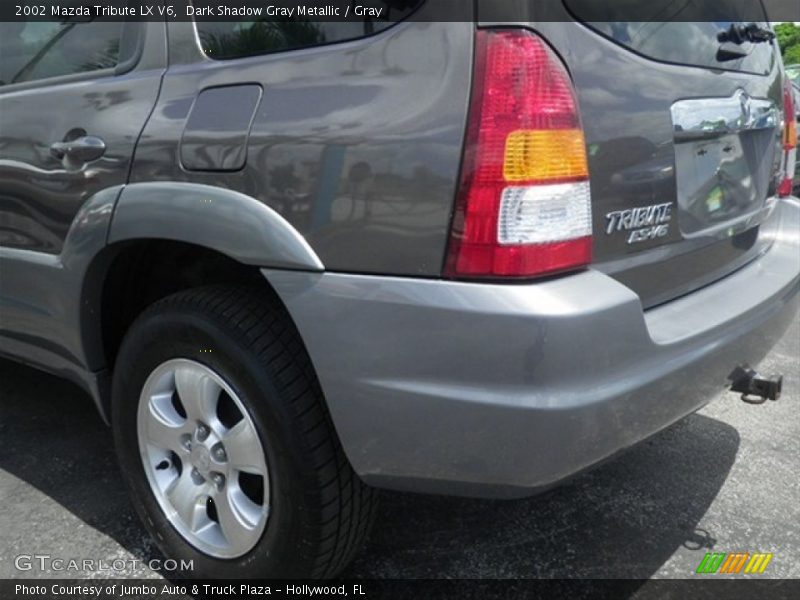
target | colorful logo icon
[{"x": 734, "y": 563}]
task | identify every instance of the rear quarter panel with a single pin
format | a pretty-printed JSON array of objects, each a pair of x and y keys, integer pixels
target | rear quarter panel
[{"x": 356, "y": 144}]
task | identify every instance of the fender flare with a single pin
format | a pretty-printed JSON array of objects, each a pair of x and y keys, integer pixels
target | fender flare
[{"x": 229, "y": 222}]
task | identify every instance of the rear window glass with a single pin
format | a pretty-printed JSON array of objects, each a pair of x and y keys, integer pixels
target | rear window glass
[
  {"x": 238, "y": 39},
  {"x": 683, "y": 32}
]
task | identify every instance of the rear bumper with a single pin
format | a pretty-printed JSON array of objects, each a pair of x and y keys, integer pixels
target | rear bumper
[{"x": 500, "y": 390}]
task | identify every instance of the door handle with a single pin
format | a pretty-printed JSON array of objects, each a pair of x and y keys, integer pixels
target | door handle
[{"x": 83, "y": 149}]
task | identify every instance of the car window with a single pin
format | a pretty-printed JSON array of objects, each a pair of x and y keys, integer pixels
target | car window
[
  {"x": 238, "y": 39},
  {"x": 683, "y": 32},
  {"x": 34, "y": 50}
]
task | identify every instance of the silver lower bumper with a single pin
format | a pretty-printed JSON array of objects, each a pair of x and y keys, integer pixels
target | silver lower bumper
[{"x": 500, "y": 390}]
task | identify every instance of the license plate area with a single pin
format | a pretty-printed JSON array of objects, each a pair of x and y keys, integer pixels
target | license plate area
[{"x": 725, "y": 151}]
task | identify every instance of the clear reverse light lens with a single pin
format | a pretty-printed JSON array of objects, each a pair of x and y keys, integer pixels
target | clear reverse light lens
[{"x": 544, "y": 214}]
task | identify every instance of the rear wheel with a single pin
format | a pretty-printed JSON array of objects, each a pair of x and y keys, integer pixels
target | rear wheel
[{"x": 226, "y": 444}]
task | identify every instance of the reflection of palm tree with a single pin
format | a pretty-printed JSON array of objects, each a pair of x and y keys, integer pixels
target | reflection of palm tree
[
  {"x": 660, "y": 19},
  {"x": 37, "y": 58},
  {"x": 106, "y": 58},
  {"x": 263, "y": 36}
]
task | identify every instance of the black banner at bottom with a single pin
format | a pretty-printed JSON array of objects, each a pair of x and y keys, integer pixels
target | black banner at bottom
[{"x": 130, "y": 589}]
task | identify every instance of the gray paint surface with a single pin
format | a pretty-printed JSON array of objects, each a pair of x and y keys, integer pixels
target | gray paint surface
[
  {"x": 214, "y": 139},
  {"x": 500, "y": 390},
  {"x": 46, "y": 301},
  {"x": 357, "y": 145},
  {"x": 55, "y": 214},
  {"x": 223, "y": 220},
  {"x": 40, "y": 193},
  {"x": 626, "y": 102}
]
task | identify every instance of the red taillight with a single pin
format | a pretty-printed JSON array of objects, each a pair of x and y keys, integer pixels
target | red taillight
[
  {"x": 789, "y": 142},
  {"x": 790, "y": 131},
  {"x": 524, "y": 205}
]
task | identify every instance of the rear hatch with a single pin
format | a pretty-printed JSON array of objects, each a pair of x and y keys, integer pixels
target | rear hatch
[{"x": 683, "y": 134}]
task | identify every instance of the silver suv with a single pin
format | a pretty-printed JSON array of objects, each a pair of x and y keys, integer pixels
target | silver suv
[{"x": 294, "y": 261}]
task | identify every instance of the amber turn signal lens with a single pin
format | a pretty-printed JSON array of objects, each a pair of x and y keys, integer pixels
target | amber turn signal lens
[{"x": 545, "y": 156}]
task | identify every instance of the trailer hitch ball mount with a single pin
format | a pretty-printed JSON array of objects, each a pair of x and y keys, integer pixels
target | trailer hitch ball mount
[{"x": 754, "y": 387}]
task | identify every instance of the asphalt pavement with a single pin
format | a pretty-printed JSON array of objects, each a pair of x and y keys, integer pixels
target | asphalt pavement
[{"x": 726, "y": 479}]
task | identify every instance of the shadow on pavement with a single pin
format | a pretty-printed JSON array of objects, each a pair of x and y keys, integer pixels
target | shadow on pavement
[
  {"x": 56, "y": 441},
  {"x": 624, "y": 519}
]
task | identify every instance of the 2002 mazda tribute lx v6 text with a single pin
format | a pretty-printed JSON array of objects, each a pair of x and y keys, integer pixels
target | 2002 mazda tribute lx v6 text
[{"x": 297, "y": 261}]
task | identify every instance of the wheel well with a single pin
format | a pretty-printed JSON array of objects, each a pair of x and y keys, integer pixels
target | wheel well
[{"x": 143, "y": 272}]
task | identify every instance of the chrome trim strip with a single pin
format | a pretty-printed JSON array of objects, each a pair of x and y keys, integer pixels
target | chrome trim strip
[{"x": 705, "y": 118}]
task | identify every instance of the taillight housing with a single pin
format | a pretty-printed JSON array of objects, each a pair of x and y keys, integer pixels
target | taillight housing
[
  {"x": 524, "y": 205},
  {"x": 789, "y": 141},
  {"x": 790, "y": 130}
]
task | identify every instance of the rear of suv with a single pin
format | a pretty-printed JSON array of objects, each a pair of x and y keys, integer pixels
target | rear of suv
[{"x": 294, "y": 261}]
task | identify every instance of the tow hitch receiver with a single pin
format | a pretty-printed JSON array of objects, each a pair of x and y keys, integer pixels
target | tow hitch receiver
[{"x": 754, "y": 387}]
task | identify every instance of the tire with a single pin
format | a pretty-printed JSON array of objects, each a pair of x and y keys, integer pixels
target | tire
[{"x": 313, "y": 509}]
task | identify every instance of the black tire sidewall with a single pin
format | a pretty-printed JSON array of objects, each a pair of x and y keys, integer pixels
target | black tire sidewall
[{"x": 284, "y": 549}]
